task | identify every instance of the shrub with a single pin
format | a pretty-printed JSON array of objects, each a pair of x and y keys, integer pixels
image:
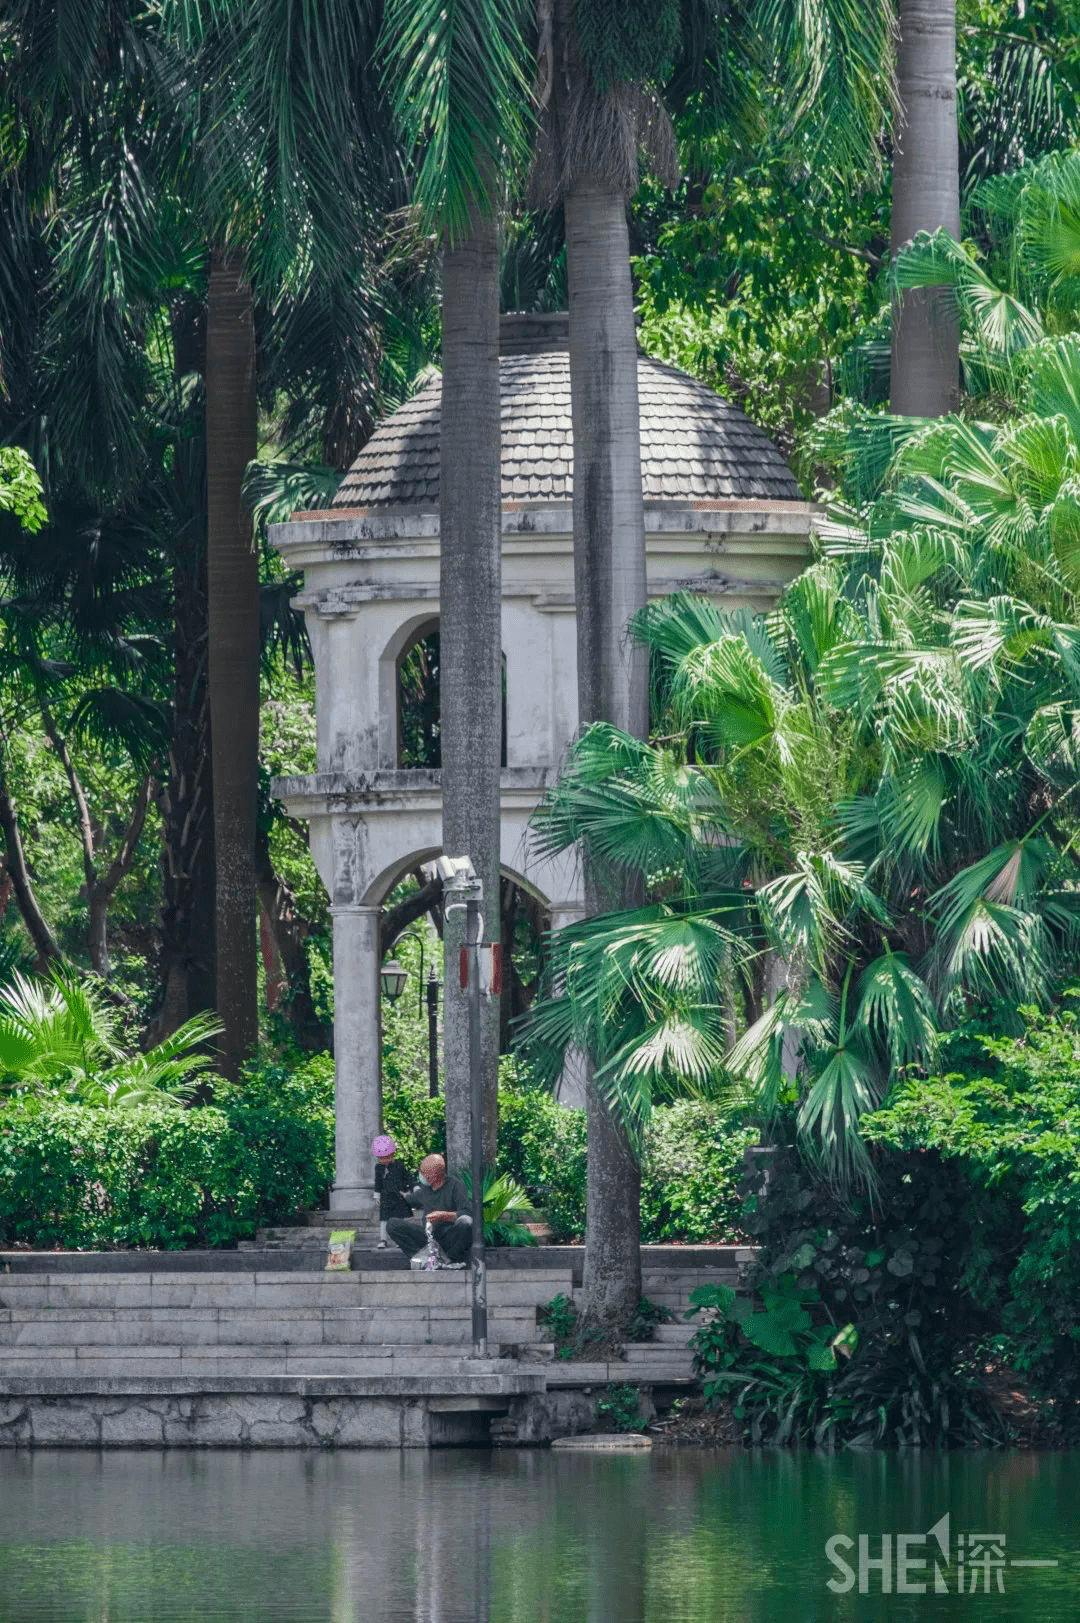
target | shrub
[
  {"x": 542, "y": 1146},
  {"x": 691, "y": 1173},
  {"x": 416, "y": 1122},
  {"x": 794, "y": 1375},
  {"x": 691, "y": 1166},
  {"x": 152, "y": 1175},
  {"x": 620, "y": 1407},
  {"x": 1004, "y": 1125}
]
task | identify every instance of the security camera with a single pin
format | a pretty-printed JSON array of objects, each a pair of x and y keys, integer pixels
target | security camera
[{"x": 455, "y": 870}]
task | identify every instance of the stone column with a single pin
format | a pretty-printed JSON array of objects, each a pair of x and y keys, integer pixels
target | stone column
[{"x": 357, "y": 1056}]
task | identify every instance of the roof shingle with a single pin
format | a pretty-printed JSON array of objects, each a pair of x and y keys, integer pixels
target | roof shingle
[{"x": 695, "y": 445}]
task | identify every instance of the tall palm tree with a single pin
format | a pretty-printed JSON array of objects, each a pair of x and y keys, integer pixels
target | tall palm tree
[
  {"x": 602, "y": 73},
  {"x": 461, "y": 96},
  {"x": 925, "y": 370},
  {"x": 233, "y": 645}
]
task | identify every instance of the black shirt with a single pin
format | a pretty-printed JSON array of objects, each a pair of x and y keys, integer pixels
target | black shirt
[
  {"x": 450, "y": 1198},
  {"x": 391, "y": 1182}
]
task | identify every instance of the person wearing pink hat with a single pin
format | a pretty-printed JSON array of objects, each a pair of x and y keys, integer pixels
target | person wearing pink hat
[{"x": 391, "y": 1181}]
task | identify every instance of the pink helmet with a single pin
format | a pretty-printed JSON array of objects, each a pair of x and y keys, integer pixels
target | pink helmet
[{"x": 383, "y": 1145}]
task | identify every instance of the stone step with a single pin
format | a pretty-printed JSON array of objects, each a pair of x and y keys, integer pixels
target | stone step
[
  {"x": 273, "y": 1290},
  {"x": 648, "y": 1357},
  {"x": 672, "y": 1335},
  {"x": 613, "y": 1372},
  {"x": 20, "y": 1358},
  {"x": 246, "y": 1363},
  {"x": 119, "y": 1327}
]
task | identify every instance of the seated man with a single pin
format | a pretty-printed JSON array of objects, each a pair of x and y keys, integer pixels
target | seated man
[{"x": 442, "y": 1202}]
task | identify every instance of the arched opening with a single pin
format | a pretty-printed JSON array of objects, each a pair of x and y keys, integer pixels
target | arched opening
[
  {"x": 412, "y": 907},
  {"x": 419, "y": 743}
]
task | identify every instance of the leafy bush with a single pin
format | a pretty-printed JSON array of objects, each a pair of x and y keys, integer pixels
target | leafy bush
[
  {"x": 796, "y": 1376},
  {"x": 502, "y": 1196},
  {"x": 1004, "y": 1125},
  {"x": 691, "y": 1165},
  {"x": 559, "y": 1318},
  {"x": 620, "y": 1407},
  {"x": 416, "y": 1122},
  {"x": 691, "y": 1172},
  {"x": 895, "y": 1269},
  {"x": 771, "y": 1355},
  {"x": 542, "y": 1145},
  {"x": 646, "y": 1317},
  {"x": 153, "y": 1175}
]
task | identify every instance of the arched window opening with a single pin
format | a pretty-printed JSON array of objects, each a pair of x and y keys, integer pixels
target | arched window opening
[{"x": 418, "y": 701}]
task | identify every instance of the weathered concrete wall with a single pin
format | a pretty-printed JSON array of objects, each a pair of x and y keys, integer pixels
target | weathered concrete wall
[{"x": 224, "y": 1420}]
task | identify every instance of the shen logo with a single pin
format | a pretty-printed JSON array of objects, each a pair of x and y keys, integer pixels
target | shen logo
[{"x": 922, "y": 1563}]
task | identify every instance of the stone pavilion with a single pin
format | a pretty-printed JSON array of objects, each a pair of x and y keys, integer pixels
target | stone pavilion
[{"x": 723, "y": 515}]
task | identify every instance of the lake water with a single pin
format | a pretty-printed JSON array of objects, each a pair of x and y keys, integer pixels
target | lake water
[{"x": 462, "y": 1536}]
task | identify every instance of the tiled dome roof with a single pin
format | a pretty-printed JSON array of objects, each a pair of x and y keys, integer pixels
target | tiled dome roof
[{"x": 695, "y": 446}]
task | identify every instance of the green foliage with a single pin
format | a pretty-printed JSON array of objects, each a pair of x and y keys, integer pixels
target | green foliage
[
  {"x": 62, "y": 1038},
  {"x": 21, "y": 490},
  {"x": 416, "y": 1123},
  {"x": 574, "y": 1340},
  {"x": 543, "y": 1147},
  {"x": 760, "y": 287},
  {"x": 152, "y": 1175},
  {"x": 858, "y": 1331},
  {"x": 871, "y": 787},
  {"x": 647, "y": 1316},
  {"x": 619, "y": 1408},
  {"x": 559, "y": 1318},
  {"x": 502, "y": 1196},
  {"x": 1003, "y": 1123},
  {"x": 691, "y": 1165},
  {"x": 456, "y": 78}
]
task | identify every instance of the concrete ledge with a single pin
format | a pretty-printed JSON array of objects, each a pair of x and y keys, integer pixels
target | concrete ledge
[
  {"x": 516, "y": 1379},
  {"x": 306, "y": 1260}
]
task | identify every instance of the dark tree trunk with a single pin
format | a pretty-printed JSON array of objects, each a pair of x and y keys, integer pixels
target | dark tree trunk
[
  {"x": 233, "y": 593},
  {"x": 610, "y": 587},
  {"x": 16, "y": 870},
  {"x": 470, "y": 643},
  {"x": 186, "y": 951},
  {"x": 288, "y": 932},
  {"x": 396, "y": 920},
  {"x": 925, "y": 377}
]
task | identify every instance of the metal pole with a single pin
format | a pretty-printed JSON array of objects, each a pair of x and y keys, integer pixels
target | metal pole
[
  {"x": 433, "y": 1033},
  {"x": 477, "y": 1265}
]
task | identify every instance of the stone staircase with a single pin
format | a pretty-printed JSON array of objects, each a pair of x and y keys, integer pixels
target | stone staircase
[
  {"x": 354, "y": 1323},
  {"x": 376, "y": 1357}
]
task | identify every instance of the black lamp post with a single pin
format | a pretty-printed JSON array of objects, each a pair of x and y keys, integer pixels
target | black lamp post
[
  {"x": 393, "y": 976},
  {"x": 433, "y": 1032}
]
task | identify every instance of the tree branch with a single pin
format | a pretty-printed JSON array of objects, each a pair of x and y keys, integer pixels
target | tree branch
[
  {"x": 86, "y": 826},
  {"x": 121, "y": 863},
  {"x": 32, "y": 916},
  {"x": 398, "y": 918}
]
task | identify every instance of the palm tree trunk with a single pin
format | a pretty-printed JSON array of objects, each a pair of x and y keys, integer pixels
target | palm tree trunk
[
  {"x": 186, "y": 955},
  {"x": 610, "y": 587},
  {"x": 925, "y": 373},
  {"x": 233, "y": 593},
  {"x": 470, "y": 643}
]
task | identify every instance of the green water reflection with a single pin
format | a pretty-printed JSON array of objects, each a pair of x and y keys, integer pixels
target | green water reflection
[{"x": 511, "y": 1537}]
